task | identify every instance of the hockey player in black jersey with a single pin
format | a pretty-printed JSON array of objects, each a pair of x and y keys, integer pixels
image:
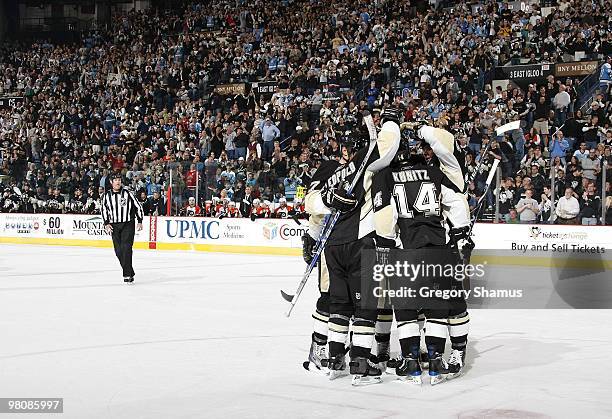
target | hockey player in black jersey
[
  {"x": 451, "y": 160},
  {"x": 342, "y": 254},
  {"x": 413, "y": 198}
]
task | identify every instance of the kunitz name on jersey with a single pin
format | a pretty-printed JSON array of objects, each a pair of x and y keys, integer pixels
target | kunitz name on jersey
[{"x": 410, "y": 175}]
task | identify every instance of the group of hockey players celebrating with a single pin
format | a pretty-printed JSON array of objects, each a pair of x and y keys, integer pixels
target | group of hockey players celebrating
[{"x": 400, "y": 201}]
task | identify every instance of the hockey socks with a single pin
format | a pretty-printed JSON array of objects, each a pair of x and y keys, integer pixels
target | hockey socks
[
  {"x": 458, "y": 329},
  {"x": 320, "y": 326}
]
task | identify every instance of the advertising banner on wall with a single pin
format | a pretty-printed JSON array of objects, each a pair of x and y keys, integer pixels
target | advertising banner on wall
[
  {"x": 522, "y": 74},
  {"x": 580, "y": 68},
  {"x": 230, "y": 231},
  {"x": 230, "y": 89},
  {"x": 528, "y": 237},
  {"x": 283, "y": 236},
  {"x": 78, "y": 229}
]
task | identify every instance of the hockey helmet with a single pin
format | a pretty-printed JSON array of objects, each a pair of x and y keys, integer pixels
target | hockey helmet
[
  {"x": 353, "y": 142},
  {"x": 410, "y": 149},
  {"x": 392, "y": 114}
]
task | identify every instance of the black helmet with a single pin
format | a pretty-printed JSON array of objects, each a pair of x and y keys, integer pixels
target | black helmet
[
  {"x": 392, "y": 114},
  {"x": 354, "y": 141},
  {"x": 410, "y": 150}
]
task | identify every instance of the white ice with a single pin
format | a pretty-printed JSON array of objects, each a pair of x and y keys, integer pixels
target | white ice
[{"x": 204, "y": 336}]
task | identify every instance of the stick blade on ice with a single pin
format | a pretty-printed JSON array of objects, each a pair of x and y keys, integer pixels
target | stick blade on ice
[{"x": 287, "y": 297}]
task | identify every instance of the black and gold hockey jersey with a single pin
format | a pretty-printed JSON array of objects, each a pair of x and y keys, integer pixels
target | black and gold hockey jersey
[
  {"x": 415, "y": 198},
  {"x": 359, "y": 222},
  {"x": 448, "y": 154}
]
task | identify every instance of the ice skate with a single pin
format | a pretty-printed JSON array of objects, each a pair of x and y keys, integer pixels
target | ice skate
[
  {"x": 315, "y": 358},
  {"x": 364, "y": 372},
  {"x": 456, "y": 362},
  {"x": 382, "y": 356},
  {"x": 336, "y": 366},
  {"x": 409, "y": 370},
  {"x": 438, "y": 369},
  {"x": 424, "y": 358},
  {"x": 393, "y": 364}
]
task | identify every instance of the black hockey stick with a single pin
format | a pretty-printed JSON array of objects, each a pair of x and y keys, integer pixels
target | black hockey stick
[
  {"x": 478, "y": 207},
  {"x": 331, "y": 220},
  {"x": 510, "y": 126}
]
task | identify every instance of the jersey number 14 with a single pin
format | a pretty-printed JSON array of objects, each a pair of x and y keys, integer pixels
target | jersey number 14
[{"x": 426, "y": 202}]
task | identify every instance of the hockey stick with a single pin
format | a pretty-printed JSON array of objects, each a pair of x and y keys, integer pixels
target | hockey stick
[
  {"x": 510, "y": 126},
  {"x": 332, "y": 219},
  {"x": 484, "y": 194}
]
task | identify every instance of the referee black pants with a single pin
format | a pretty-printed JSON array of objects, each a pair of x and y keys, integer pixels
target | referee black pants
[{"x": 123, "y": 240}]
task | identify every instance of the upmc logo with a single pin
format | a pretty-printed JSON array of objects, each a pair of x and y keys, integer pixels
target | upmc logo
[
  {"x": 200, "y": 229},
  {"x": 286, "y": 231}
]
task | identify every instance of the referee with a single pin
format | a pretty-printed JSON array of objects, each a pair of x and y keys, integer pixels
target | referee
[{"x": 120, "y": 208}]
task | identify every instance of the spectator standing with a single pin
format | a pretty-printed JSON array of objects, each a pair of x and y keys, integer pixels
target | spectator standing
[
  {"x": 192, "y": 179},
  {"x": 590, "y": 166},
  {"x": 590, "y": 206},
  {"x": 528, "y": 208},
  {"x": 228, "y": 139},
  {"x": 567, "y": 208},
  {"x": 210, "y": 170},
  {"x": 269, "y": 133},
  {"x": 541, "y": 113},
  {"x": 559, "y": 146},
  {"x": 241, "y": 141},
  {"x": 561, "y": 103},
  {"x": 605, "y": 76}
]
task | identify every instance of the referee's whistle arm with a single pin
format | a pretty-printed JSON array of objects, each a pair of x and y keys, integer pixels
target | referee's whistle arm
[{"x": 139, "y": 226}]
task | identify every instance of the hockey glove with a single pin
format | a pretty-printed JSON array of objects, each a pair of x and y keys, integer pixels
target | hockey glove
[
  {"x": 461, "y": 240},
  {"x": 308, "y": 246},
  {"x": 338, "y": 198}
]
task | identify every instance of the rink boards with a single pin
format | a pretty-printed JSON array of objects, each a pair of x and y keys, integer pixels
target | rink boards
[{"x": 536, "y": 245}]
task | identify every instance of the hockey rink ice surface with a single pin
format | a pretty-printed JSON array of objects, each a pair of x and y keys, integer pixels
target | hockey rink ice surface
[{"x": 201, "y": 335}]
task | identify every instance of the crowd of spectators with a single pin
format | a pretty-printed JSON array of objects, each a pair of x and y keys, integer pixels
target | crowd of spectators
[{"x": 140, "y": 98}]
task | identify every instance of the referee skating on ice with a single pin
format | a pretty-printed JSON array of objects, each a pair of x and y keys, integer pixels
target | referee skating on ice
[{"x": 120, "y": 210}]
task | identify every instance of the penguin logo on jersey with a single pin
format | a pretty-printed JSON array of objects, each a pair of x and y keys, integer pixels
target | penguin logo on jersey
[{"x": 123, "y": 202}]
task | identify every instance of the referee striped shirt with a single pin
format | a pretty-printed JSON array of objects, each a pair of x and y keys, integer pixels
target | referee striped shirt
[{"x": 121, "y": 207}]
